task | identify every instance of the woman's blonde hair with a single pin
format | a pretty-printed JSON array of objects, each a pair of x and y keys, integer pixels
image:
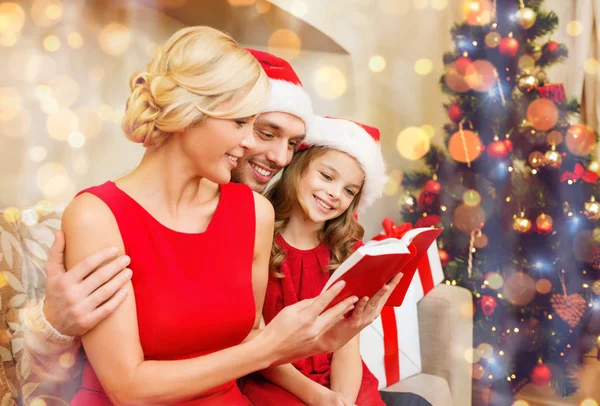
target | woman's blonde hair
[
  {"x": 197, "y": 70},
  {"x": 340, "y": 234}
]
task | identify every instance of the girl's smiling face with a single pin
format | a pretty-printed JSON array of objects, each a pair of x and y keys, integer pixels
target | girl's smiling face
[{"x": 329, "y": 185}]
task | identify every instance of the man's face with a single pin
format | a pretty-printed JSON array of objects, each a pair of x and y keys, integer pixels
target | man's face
[{"x": 277, "y": 135}]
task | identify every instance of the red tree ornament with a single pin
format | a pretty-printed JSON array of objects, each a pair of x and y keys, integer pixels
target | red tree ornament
[
  {"x": 488, "y": 305},
  {"x": 541, "y": 375},
  {"x": 552, "y": 46},
  {"x": 444, "y": 257},
  {"x": 455, "y": 113},
  {"x": 432, "y": 186},
  {"x": 509, "y": 145},
  {"x": 497, "y": 150},
  {"x": 428, "y": 221},
  {"x": 509, "y": 47}
]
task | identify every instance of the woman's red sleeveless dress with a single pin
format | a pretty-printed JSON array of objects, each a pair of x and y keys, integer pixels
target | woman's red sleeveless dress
[
  {"x": 193, "y": 292},
  {"x": 305, "y": 276}
]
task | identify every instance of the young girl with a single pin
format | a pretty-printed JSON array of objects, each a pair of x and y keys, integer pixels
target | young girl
[{"x": 315, "y": 202}]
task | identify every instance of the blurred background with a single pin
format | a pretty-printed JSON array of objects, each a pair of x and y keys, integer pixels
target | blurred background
[{"x": 66, "y": 65}]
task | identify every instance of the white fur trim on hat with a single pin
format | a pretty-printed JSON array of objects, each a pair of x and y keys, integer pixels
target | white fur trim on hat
[
  {"x": 349, "y": 137},
  {"x": 287, "y": 97}
]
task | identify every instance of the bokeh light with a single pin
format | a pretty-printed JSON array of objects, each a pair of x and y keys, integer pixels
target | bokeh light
[
  {"x": 477, "y": 12},
  {"x": 285, "y": 43},
  {"x": 521, "y": 402},
  {"x": 591, "y": 66},
  {"x": 471, "y": 197},
  {"x": 76, "y": 139},
  {"x": 12, "y": 18},
  {"x": 67, "y": 360},
  {"x": 377, "y": 63},
  {"x": 588, "y": 402},
  {"x": 429, "y": 129},
  {"x": 299, "y": 8},
  {"x": 51, "y": 43},
  {"x": 75, "y": 40},
  {"x": 467, "y": 218},
  {"x": 492, "y": 39},
  {"x": 472, "y": 355},
  {"x": 61, "y": 124},
  {"x": 465, "y": 147},
  {"x": 413, "y": 143},
  {"x": 423, "y": 66},
  {"x": 96, "y": 73},
  {"x": 37, "y": 153},
  {"x": 554, "y": 138},
  {"x": 526, "y": 62},
  {"x": 10, "y": 103},
  {"x": 439, "y": 5},
  {"x": 495, "y": 280},
  {"x": 53, "y": 180},
  {"x": 329, "y": 82},
  {"x": 574, "y": 28},
  {"x": 8, "y": 39},
  {"x": 114, "y": 39},
  {"x": 543, "y": 286},
  {"x": 46, "y": 13},
  {"x": 390, "y": 187},
  {"x": 542, "y": 114},
  {"x": 485, "y": 350},
  {"x": 262, "y": 6},
  {"x": 519, "y": 289},
  {"x": 482, "y": 76},
  {"x": 580, "y": 139},
  {"x": 31, "y": 67}
]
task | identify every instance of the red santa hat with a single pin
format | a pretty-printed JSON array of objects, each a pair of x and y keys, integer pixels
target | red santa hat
[
  {"x": 287, "y": 93},
  {"x": 359, "y": 141}
]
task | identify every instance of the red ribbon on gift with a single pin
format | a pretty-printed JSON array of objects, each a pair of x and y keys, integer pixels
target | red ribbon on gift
[
  {"x": 579, "y": 173},
  {"x": 391, "y": 351},
  {"x": 392, "y": 231}
]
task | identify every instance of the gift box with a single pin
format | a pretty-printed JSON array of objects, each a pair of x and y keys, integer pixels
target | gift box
[
  {"x": 390, "y": 346},
  {"x": 429, "y": 272}
]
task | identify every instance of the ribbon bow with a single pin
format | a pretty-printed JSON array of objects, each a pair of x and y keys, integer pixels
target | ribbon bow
[
  {"x": 391, "y": 231},
  {"x": 579, "y": 173}
]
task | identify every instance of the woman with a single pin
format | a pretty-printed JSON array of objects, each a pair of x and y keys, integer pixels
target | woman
[{"x": 198, "y": 244}]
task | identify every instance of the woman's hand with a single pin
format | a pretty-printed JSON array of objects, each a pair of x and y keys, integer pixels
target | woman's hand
[
  {"x": 365, "y": 311},
  {"x": 296, "y": 331}
]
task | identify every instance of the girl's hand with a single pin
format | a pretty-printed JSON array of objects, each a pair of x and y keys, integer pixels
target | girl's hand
[
  {"x": 296, "y": 331},
  {"x": 365, "y": 312},
  {"x": 331, "y": 398}
]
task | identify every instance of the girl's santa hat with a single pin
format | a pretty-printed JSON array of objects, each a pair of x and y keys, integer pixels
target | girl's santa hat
[
  {"x": 287, "y": 93},
  {"x": 359, "y": 141}
]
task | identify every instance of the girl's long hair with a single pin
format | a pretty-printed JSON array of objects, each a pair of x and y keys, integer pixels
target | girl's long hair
[{"x": 340, "y": 234}]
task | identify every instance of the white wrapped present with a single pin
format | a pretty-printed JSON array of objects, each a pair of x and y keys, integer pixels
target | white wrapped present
[{"x": 390, "y": 346}]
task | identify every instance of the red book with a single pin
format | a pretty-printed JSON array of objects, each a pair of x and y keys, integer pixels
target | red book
[{"x": 373, "y": 265}]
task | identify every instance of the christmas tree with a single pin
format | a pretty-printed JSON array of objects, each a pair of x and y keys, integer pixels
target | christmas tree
[{"x": 515, "y": 189}]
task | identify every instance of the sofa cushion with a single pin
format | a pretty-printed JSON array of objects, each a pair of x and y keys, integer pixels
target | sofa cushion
[{"x": 432, "y": 388}]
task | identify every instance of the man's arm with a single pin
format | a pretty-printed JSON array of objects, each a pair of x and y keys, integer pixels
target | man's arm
[{"x": 74, "y": 304}]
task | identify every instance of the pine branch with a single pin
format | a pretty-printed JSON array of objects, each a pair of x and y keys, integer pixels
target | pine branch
[
  {"x": 545, "y": 23},
  {"x": 563, "y": 381},
  {"x": 550, "y": 58}
]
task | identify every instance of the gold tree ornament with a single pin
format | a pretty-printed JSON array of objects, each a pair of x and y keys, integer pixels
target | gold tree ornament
[
  {"x": 591, "y": 209},
  {"x": 528, "y": 83},
  {"x": 536, "y": 52},
  {"x": 526, "y": 17},
  {"x": 553, "y": 158},
  {"x": 521, "y": 224},
  {"x": 407, "y": 203}
]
